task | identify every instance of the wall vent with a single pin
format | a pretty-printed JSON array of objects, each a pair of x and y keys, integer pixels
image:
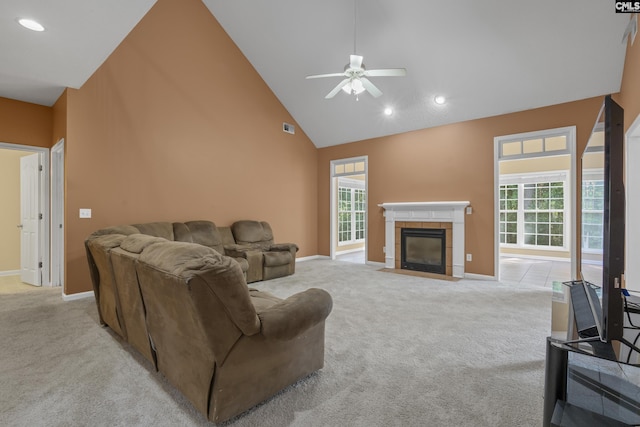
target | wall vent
[{"x": 286, "y": 127}]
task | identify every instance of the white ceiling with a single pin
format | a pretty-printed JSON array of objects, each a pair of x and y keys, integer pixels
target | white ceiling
[
  {"x": 487, "y": 57},
  {"x": 79, "y": 36}
]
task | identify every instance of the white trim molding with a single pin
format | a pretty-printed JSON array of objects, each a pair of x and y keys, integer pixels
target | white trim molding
[
  {"x": 452, "y": 212},
  {"x": 311, "y": 258},
  {"x": 10, "y": 273},
  {"x": 79, "y": 295}
]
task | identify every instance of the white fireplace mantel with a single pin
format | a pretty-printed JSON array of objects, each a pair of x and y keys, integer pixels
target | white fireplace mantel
[{"x": 452, "y": 212}]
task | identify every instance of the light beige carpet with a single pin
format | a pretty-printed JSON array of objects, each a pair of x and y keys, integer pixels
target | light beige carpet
[{"x": 400, "y": 351}]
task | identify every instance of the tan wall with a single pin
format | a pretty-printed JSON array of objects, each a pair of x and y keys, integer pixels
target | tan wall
[
  {"x": 536, "y": 164},
  {"x": 25, "y": 123},
  {"x": 453, "y": 162},
  {"x": 534, "y": 253},
  {"x": 176, "y": 125},
  {"x": 10, "y": 212}
]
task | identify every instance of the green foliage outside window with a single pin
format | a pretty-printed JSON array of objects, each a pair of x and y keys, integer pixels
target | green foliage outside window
[
  {"x": 534, "y": 212},
  {"x": 352, "y": 204}
]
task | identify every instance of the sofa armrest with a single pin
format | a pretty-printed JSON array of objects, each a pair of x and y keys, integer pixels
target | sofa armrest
[
  {"x": 296, "y": 314},
  {"x": 254, "y": 259},
  {"x": 292, "y": 247}
]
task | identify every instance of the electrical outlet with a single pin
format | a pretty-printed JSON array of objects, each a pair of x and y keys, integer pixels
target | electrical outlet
[
  {"x": 85, "y": 213},
  {"x": 469, "y": 257},
  {"x": 469, "y": 210}
]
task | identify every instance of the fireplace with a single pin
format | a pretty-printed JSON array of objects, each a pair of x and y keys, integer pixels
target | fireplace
[
  {"x": 423, "y": 249},
  {"x": 449, "y": 215}
]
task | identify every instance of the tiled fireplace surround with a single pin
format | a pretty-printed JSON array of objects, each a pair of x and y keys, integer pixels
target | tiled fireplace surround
[{"x": 447, "y": 215}]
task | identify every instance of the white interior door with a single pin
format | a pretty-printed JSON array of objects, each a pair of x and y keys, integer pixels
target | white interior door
[{"x": 30, "y": 219}]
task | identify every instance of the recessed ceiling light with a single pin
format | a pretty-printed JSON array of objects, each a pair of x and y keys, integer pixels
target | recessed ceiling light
[
  {"x": 388, "y": 111},
  {"x": 439, "y": 99},
  {"x": 30, "y": 24}
]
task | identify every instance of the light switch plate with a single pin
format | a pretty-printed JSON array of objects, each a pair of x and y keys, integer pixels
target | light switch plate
[{"x": 85, "y": 213}]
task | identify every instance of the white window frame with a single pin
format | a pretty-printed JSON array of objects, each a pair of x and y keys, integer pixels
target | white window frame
[
  {"x": 591, "y": 175},
  {"x": 534, "y": 178},
  {"x": 353, "y": 185}
]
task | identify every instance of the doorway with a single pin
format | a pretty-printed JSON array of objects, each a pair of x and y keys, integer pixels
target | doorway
[
  {"x": 24, "y": 223},
  {"x": 349, "y": 209},
  {"x": 535, "y": 218},
  {"x": 57, "y": 214}
]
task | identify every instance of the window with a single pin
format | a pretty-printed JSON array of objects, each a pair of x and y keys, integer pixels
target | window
[
  {"x": 532, "y": 212},
  {"x": 544, "y": 214},
  {"x": 550, "y": 145},
  {"x": 592, "y": 215},
  {"x": 351, "y": 212},
  {"x": 509, "y": 214}
]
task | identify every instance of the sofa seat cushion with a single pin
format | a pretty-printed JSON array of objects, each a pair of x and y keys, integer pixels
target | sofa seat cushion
[{"x": 274, "y": 259}]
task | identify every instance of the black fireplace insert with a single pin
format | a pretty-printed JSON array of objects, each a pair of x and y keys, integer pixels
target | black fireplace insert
[{"x": 423, "y": 249}]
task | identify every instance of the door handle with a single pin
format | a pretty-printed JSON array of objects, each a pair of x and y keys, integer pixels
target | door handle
[{"x": 20, "y": 225}]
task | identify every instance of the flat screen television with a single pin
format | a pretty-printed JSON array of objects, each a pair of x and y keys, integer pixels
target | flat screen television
[{"x": 603, "y": 220}]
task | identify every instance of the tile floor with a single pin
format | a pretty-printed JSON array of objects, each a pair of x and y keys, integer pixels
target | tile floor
[{"x": 534, "y": 271}]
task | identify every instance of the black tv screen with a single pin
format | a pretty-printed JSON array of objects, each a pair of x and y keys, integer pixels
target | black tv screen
[{"x": 603, "y": 217}]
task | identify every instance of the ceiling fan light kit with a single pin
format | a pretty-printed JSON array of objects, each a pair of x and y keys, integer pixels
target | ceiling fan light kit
[{"x": 355, "y": 78}]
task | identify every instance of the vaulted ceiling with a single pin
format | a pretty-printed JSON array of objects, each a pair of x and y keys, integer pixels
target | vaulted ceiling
[{"x": 486, "y": 57}]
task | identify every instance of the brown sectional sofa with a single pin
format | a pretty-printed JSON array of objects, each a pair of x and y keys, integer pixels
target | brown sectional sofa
[{"x": 188, "y": 310}]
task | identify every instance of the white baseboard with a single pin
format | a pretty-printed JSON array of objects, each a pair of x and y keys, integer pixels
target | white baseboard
[
  {"x": 80, "y": 295},
  {"x": 538, "y": 257},
  {"x": 312, "y": 257},
  {"x": 479, "y": 277},
  {"x": 10, "y": 273}
]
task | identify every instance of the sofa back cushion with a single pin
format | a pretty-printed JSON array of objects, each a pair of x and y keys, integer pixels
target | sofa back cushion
[
  {"x": 131, "y": 302},
  {"x": 205, "y": 233},
  {"x": 196, "y": 299},
  {"x": 254, "y": 233},
  {"x": 116, "y": 229},
  {"x": 220, "y": 274},
  {"x": 104, "y": 283},
  {"x": 157, "y": 229}
]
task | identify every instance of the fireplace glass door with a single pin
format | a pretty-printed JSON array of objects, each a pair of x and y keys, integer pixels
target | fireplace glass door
[{"x": 423, "y": 250}]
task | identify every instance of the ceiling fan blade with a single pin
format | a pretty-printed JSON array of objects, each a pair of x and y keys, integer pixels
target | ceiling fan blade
[
  {"x": 319, "y": 76},
  {"x": 370, "y": 87},
  {"x": 355, "y": 61},
  {"x": 337, "y": 89},
  {"x": 388, "y": 72}
]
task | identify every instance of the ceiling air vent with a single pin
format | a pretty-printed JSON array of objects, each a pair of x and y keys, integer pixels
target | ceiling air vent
[{"x": 286, "y": 127}]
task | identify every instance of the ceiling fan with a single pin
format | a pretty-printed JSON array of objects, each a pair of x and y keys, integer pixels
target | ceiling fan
[
  {"x": 355, "y": 78},
  {"x": 355, "y": 74}
]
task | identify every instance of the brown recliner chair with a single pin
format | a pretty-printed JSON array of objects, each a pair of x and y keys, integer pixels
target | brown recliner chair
[
  {"x": 267, "y": 260},
  {"x": 225, "y": 346}
]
